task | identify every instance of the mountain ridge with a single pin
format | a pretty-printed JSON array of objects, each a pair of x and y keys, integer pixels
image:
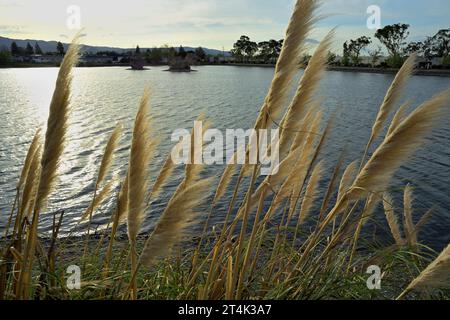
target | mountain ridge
[{"x": 50, "y": 46}]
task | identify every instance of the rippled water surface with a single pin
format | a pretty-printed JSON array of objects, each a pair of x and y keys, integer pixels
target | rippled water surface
[{"x": 231, "y": 98}]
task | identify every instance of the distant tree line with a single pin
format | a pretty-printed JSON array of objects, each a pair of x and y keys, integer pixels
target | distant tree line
[
  {"x": 158, "y": 55},
  {"x": 245, "y": 50},
  {"x": 36, "y": 49},
  {"x": 17, "y": 51},
  {"x": 393, "y": 38}
]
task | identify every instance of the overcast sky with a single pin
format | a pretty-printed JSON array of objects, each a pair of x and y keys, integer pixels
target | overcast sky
[{"x": 208, "y": 23}]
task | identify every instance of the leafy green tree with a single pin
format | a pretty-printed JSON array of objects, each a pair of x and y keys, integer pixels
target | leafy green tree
[
  {"x": 156, "y": 56},
  {"x": 331, "y": 58},
  {"x": 171, "y": 53},
  {"x": 264, "y": 51},
  {"x": 137, "y": 51},
  {"x": 393, "y": 37},
  {"x": 37, "y": 48},
  {"x": 244, "y": 49},
  {"x": 181, "y": 52},
  {"x": 270, "y": 50},
  {"x": 414, "y": 47},
  {"x": 346, "y": 54},
  {"x": 15, "y": 49},
  {"x": 441, "y": 43},
  {"x": 60, "y": 48},
  {"x": 5, "y": 57},
  {"x": 356, "y": 46},
  {"x": 200, "y": 53},
  {"x": 375, "y": 56},
  {"x": 250, "y": 49},
  {"x": 29, "y": 50}
]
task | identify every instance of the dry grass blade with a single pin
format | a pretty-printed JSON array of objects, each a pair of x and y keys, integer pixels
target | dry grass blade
[
  {"x": 310, "y": 193},
  {"x": 179, "y": 214},
  {"x": 98, "y": 200},
  {"x": 193, "y": 169},
  {"x": 299, "y": 27},
  {"x": 305, "y": 92},
  {"x": 35, "y": 144},
  {"x": 306, "y": 158},
  {"x": 391, "y": 219},
  {"x": 225, "y": 179},
  {"x": 55, "y": 139},
  {"x": 275, "y": 180},
  {"x": 108, "y": 155},
  {"x": 400, "y": 144},
  {"x": 398, "y": 117},
  {"x": 422, "y": 221},
  {"x": 347, "y": 179},
  {"x": 55, "y": 136},
  {"x": 408, "y": 218},
  {"x": 371, "y": 205},
  {"x": 142, "y": 149},
  {"x": 29, "y": 190},
  {"x": 122, "y": 208},
  {"x": 393, "y": 95},
  {"x": 164, "y": 174},
  {"x": 436, "y": 275}
]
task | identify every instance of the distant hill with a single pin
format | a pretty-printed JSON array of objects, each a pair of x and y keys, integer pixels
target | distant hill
[{"x": 50, "y": 46}]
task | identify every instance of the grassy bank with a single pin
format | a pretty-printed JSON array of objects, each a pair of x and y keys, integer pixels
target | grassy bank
[
  {"x": 175, "y": 278},
  {"x": 289, "y": 238}
]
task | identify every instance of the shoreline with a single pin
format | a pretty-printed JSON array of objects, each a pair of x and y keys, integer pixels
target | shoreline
[{"x": 417, "y": 72}]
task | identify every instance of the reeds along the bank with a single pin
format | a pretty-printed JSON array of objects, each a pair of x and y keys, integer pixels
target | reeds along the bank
[
  {"x": 105, "y": 165},
  {"x": 35, "y": 143},
  {"x": 141, "y": 153},
  {"x": 299, "y": 27},
  {"x": 400, "y": 144},
  {"x": 55, "y": 139},
  {"x": 396, "y": 148},
  {"x": 98, "y": 200},
  {"x": 310, "y": 193},
  {"x": 108, "y": 154},
  {"x": 307, "y": 87},
  {"x": 179, "y": 214},
  {"x": 392, "y": 219},
  {"x": 436, "y": 275},
  {"x": 408, "y": 216},
  {"x": 55, "y": 136},
  {"x": 392, "y": 96}
]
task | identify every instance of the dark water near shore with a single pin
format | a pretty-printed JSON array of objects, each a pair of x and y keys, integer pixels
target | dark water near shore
[{"x": 231, "y": 98}]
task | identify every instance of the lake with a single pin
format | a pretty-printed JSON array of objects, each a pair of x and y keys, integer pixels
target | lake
[{"x": 229, "y": 96}]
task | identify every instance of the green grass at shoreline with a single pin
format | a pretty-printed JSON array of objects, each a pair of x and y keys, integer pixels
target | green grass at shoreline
[{"x": 171, "y": 278}]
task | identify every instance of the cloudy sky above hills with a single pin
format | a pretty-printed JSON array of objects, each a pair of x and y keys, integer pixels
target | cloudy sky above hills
[{"x": 209, "y": 23}]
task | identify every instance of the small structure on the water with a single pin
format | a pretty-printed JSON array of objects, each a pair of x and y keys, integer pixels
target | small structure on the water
[
  {"x": 178, "y": 64},
  {"x": 180, "y": 61},
  {"x": 137, "y": 62}
]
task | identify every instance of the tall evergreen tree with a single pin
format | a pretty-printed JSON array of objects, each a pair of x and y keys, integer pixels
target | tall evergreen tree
[
  {"x": 60, "y": 48},
  {"x": 15, "y": 50},
  {"x": 29, "y": 50},
  {"x": 37, "y": 48}
]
